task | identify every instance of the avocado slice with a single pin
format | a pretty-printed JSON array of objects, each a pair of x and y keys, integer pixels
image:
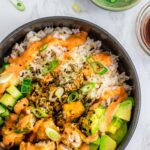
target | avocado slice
[
  {"x": 124, "y": 110},
  {"x": 131, "y": 99},
  {"x": 94, "y": 124},
  {"x": 102, "y": 124},
  {"x": 94, "y": 145},
  {"x": 120, "y": 133},
  {"x": 107, "y": 143},
  {"x": 96, "y": 119},
  {"x": 114, "y": 125},
  {"x": 99, "y": 111}
]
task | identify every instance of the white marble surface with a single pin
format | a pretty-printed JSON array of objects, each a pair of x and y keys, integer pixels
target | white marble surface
[{"x": 119, "y": 24}]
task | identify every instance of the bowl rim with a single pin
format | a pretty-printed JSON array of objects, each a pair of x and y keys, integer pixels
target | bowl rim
[
  {"x": 138, "y": 29},
  {"x": 117, "y": 9},
  {"x": 136, "y": 116}
]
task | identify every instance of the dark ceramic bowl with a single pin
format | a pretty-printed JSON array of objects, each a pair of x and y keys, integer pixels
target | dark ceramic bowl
[{"x": 109, "y": 43}]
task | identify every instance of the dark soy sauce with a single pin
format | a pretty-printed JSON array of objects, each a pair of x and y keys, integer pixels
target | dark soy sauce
[{"x": 146, "y": 33}]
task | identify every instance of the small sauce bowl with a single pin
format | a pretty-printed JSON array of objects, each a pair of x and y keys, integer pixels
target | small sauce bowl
[{"x": 143, "y": 28}]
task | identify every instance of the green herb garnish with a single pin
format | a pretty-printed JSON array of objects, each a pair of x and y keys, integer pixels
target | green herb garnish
[
  {"x": 25, "y": 130},
  {"x": 52, "y": 65},
  {"x": 99, "y": 68},
  {"x": 73, "y": 97},
  {"x": 18, "y": 4},
  {"x": 76, "y": 7},
  {"x": 39, "y": 113},
  {"x": 43, "y": 48},
  {"x": 26, "y": 86},
  {"x": 88, "y": 87}
]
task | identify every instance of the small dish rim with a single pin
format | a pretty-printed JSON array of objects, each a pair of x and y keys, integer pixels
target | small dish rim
[{"x": 117, "y": 9}]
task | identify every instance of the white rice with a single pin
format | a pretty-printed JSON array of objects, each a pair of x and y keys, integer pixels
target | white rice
[
  {"x": 60, "y": 33},
  {"x": 78, "y": 57}
]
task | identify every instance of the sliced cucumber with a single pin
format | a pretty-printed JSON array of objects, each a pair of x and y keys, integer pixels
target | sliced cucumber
[
  {"x": 52, "y": 134},
  {"x": 8, "y": 101},
  {"x": 5, "y": 78},
  {"x": 114, "y": 125},
  {"x": 3, "y": 111},
  {"x": 120, "y": 133},
  {"x": 124, "y": 110},
  {"x": 107, "y": 143},
  {"x": 12, "y": 90}
]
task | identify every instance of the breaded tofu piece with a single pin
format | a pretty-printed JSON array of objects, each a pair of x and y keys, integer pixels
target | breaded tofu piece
[{"x": 73, "y": 110}]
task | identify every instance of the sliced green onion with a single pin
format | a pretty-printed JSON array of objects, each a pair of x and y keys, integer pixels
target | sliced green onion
[
  {"x": 25, "y": 89},
  {"x": 89, "y": 59},
  {"x": 25, "y": 130},
  {"x": 76, "y": 7},
  {"x": 26, "y": 82},
  {"x": 5, "y": 78},
  {"x": 87, "y": 88},
  {"x": 52, "y": 65},
  {"x": 26, "y": 86},
  {"x": 72, "y": 97},
  {"x": 99, "y": 68},
  {"x": 59, "y": 92},
  {"x": 39, "y": 113},
  {"x": 18, "y": 4},
  {"x": 52, "y": 134},
  {"x": 43, "y": 48},
  {"x": 52, "y": 96}
]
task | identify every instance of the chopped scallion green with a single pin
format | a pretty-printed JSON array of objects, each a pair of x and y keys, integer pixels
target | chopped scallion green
[
  {"x": 25, "y": 89},
  {"x": 25, "y": 130},
  {"x": 39, "y": 113},
  {"x": 52, "y": 65},
  {"x": 76, "y": 7},
  {"x": 59, "y": 92},
  {"x": 88, "y": 87},
  {"x": 27, "y": 82},
  {"x": 18, "y": 4},
  {"x": 72, "y": 97},
  {"x": 99, "y": 68},
  {"x": 26, "y": 86},
  {"x": 43, "y": 48},
  {"x": 52, "y": 134}
]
